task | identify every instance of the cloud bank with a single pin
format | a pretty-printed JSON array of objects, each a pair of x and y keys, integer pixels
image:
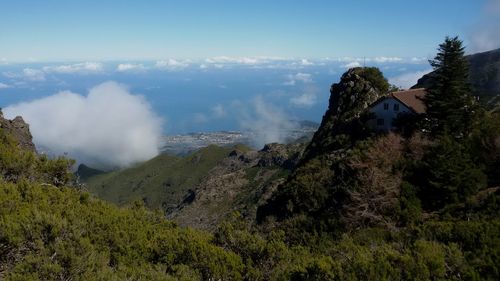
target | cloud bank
[
  {"x": 265, "y": 122},
  {"x": 484, "y": 36},
  {"x": 407, "y": 80},
  {"x": 351, "y": 64},
  {"x": 171, "y": 64},
  {"x": 306, "y": 99},
  {"x": 292, "y": 79},
  {"x": 107, "y": 128},
  {"x": 81, "y": 68},
  {"x": 130, "y": 67}
]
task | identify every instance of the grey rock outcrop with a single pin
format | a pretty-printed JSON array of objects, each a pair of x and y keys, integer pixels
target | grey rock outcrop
[
  {"x": 240, "y": 182},
  {"x": 19, "y": 130},
  {"x": 357, "y": 89}
]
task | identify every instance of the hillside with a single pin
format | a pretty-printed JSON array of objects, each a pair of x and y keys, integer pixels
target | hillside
[
  {"x": 50, "y": 230},
  {"x": 350, "y": 206},
  {"x": 161, "y": 182},
  {"x": 203, "y": 188},
  {"x": 239, "y": 183},
  {"x": 484, "y": 76}
]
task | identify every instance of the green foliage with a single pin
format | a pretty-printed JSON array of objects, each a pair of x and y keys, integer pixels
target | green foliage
[
  {"x": 485, "y": 145},
  {"x": 410, "y": 204},
  {"x": 50, "y": 233},
  {"x": 450, "y": 106},
  {"x": 376, "y": 78},
  {"x": 17, "y": 165},
  {"x": 447, "y": 175},
  {"x": 484, "y": 76},
  {"x": 161, "y": 182}
]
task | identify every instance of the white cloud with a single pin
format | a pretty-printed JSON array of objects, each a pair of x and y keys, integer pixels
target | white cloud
[
  {"x": 33, "y": 74},
  {"x": 253, "y": 62},
  {"x": 484, "y": 35},
  {"x": 349, "y": 59},
  {"x": 171, "y": 64},
  {"x": 307, "y": 99},
  {"x": 418, "y": 59},
  {"x": 306, "y": 62},
  {"x": 218, "y": 111},
  {"x": 4, "y": 86},
  {"x": 265, "y": 122},
  {"x": 292, "y": 79},
  {"x": 81, "y": 68},
  {"x": 234, "y": 60},
  {"x": 303, "y": 77},
  {"x": 26, "y": 74},
  {"x": 387, "y": 59},
  {"x": 130, "y": 67},
  {"x": 359, "y": 61},
  {"x": 407, "y": 80},
  {"x": 109, "y": 127},
  {"x": 351, "y": 64}
]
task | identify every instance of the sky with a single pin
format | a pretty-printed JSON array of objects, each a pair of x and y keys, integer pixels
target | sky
[{"x": 136, "y": 30}]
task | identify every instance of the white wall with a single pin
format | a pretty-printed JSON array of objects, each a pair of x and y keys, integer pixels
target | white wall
[{"x": 387, "y": 115}]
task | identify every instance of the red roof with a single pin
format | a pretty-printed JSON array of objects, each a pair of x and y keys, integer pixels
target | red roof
[{"x": 412, "y": 98}]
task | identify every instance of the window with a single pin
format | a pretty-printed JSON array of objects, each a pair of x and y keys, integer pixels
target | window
[
  {"x": 396, "y": 107},
  {"x": 386, "y": 106},
  {"x": 380, "y": 122}
]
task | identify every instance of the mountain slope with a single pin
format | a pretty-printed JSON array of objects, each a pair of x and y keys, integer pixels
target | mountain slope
[
  {"x": 484, "y": 76},
  {"x": 160, "y": 182},
  {"x": 51, "y": 230},
  {"x": 203, "y": 188},
  {"x": 239, "y": 183}
]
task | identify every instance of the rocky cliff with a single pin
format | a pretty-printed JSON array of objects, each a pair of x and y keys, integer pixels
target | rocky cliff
[
  {"x": 239, "y": 183},
  {"x": 346, "y": 115},
  {"x": 319, "y": 183},
  {"x": 19, "y": 130}
]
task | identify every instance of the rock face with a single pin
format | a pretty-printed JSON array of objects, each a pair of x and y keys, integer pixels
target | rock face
[
  {"x": 318, "y": 183},
  {"x": 18, "y": 129},
  {"x": 240, "y": 182},
  {"x": 349, "y": 98},
  {"x": 286, "y": 156}
]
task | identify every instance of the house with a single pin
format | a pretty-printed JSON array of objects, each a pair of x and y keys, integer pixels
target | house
[{"x": 388, "y": 108}]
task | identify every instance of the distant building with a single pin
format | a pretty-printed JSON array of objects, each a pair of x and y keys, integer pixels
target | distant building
[{"x": 388, "y": 108}]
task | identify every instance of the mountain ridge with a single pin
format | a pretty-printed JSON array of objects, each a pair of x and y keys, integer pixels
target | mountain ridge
[{"x": 484, "y": 76}]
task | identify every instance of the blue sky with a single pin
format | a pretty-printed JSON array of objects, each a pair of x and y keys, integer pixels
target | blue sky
[{"x": 136, "y": 30}]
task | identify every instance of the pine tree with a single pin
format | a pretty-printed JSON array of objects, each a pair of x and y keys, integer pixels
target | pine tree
[{"x": 450, "y": 105}]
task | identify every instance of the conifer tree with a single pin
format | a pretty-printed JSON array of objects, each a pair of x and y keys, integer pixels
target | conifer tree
[{"x": 450, "y": 105}]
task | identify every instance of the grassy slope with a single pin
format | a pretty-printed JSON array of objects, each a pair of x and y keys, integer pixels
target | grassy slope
[{"x": 161, "y": 181}]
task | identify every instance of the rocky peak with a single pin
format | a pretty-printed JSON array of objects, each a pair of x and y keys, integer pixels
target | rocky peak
[
  {"x": 358, "y": 88},
  {"x": 19, "y": 130},
  {"x": 349, "y": 98}
]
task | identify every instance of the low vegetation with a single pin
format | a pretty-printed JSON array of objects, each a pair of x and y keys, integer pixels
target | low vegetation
[{"x": 161, "y": 182}]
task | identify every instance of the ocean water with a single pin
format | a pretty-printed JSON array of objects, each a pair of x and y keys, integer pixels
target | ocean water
[{"x": 201, "y": 97}]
